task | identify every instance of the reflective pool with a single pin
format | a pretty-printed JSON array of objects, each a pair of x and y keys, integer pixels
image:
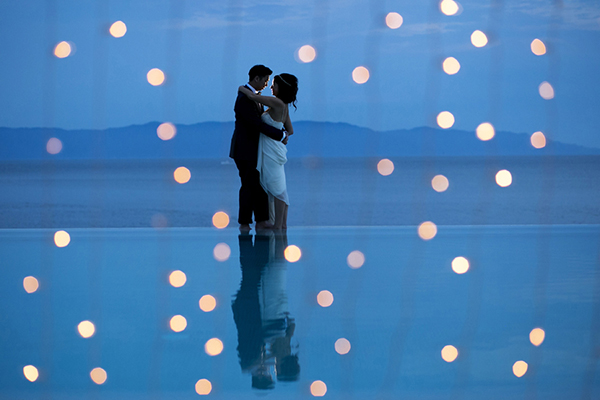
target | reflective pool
[{"x": 365, "y": 312}]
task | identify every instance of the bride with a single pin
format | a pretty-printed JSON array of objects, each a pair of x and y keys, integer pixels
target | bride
[{"x": 271, "y": 153}]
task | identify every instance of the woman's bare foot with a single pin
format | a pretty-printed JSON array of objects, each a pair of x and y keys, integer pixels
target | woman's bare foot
[{"x": 264, "y": 225}]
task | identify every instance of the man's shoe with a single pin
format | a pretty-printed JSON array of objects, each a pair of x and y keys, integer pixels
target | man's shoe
[{"x": 264, "y": 225}]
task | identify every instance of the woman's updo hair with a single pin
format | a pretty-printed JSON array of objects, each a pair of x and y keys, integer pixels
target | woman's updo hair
[{"x": 287, "y": 88}]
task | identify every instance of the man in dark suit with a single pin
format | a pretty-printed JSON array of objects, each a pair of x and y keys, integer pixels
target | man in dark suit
[{"x": 244, "y": 151}]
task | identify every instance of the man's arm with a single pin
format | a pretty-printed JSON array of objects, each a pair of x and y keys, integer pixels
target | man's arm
[{"x": 248, "y": 115}]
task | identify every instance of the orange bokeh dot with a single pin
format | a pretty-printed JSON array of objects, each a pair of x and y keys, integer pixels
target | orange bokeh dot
[
  {"x": 385, "y": 167},
  {"x": 307, "y": 53},
  {"x": 318, "y": 388},
  {"x": 449, "y": 353},
  {"x": 178, "y": 323},
  {"x": 292, "y": 253},
  {"x": 155, "y": 77},
  {"x": 118, "y": 29},
  {"x": 166, "y": 131},
  {"x": 538, "y": 140},
  {"x": 220, "y": 220},
  {"x": 207, "y": 303},
  {"x": 394, "y": 20},
  {"x": 360, "y": 75},
  {"x": 54, "y": 146},
  {"x": 30, "y": 284},
  {"x": 62, "y": 239},
  {"x": 520, "y": 368},
  {"x": 98, "y": 375},
  {"x": 427, "y": 230},
  {"x": 63, "y": 49},
  {"x": 213, "y": 347},
  {"x": 177, "y": 278},
  {"x": 182, "y": 175},
  {"x": 325, "y": 298},
  {"x": 203, "y": 387}
]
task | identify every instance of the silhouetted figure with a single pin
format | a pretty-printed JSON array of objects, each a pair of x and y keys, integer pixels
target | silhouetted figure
[{"x": 260, "y": 311}]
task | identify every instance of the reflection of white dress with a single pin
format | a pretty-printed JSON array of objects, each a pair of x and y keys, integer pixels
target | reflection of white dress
[{"x": 271, "y": 158}]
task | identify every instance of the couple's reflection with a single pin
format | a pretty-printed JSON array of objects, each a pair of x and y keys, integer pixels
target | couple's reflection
[{"x": 260, "y": 310}]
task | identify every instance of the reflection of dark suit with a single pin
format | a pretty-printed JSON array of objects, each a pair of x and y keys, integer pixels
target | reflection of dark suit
[
  {"x": 244, "y": 151},
  {"x": 246, "y": 306}
]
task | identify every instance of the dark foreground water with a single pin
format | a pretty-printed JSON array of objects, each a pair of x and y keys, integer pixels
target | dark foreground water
[
  {"x": 397, "y": 311},
  {"x": 323, "y": 192}
]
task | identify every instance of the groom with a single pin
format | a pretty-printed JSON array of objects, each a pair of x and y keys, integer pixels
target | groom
[{"x": 244, "y": 151}]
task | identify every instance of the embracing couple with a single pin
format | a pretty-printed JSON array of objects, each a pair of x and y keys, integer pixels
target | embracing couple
[{"x": 258, "y": 147}]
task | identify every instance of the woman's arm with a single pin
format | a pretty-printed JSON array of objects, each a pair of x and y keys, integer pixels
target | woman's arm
[{"x": 269, "y": 101}]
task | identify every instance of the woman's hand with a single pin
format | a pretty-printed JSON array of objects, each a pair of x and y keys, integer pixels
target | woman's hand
[{"x": 245, "y": 90}]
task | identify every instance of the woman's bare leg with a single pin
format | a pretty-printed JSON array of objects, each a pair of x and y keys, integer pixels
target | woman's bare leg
[
  {"x": 285, "y": 212},
  {"x": 279, "y": 213}
]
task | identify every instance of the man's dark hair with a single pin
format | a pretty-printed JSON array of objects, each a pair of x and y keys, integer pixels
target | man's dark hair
[{"x": 259, "y": 70}]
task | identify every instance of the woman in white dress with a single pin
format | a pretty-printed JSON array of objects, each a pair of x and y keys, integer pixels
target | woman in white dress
[{"x": 271, "y": 153}]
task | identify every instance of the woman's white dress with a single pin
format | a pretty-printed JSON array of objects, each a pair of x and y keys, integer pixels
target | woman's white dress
[{"x": 271, "y": 159}]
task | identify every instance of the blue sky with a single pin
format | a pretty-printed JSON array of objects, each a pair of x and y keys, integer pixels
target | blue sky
[{"x": 206, "y": 47}]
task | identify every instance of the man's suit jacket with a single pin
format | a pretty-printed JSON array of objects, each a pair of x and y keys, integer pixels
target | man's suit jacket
[{"x": 248, "y": 127}]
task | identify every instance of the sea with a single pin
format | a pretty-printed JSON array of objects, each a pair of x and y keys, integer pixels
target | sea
[
  {"x": 322, "y": 191},
  {"x": 142, "y": 297}
]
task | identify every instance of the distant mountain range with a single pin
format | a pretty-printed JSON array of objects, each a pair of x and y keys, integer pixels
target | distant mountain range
[{"x": 320, "y": 139}]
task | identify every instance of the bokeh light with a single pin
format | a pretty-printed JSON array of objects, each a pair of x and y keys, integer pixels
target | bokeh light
[
  {"x": 360, "y": 75},
  {"x": 292, "y": 253},
  {"x": 220, "y": 220},
  {"x": 54, "y": 146},
  {"x": 62, "y": 50},
  {"x": 178, "y": 323},
  {"x": 485, "y": 131},
  {"x": 538, "y": 140},
  {"x": 203, "y": 387},
  {"x": 445, "y": 119},
  {"x": 118, "y": 29},
  {"x": 307, "y": 53},
  {"x": 30, "y": 284},
  {"x": 158, "y": 221},
  {"x": 155, "y": 77},
  {"x": 342, "y": 346},
  {"x": 449, "y": 353},
  {"x": 221, "y": 252},
  {"x": 207, "y": 303},
  {"x": 394, "y": 20},
  {"x": 440, "y": 183},
  {"x": 385, "y": 167},
  {"x": 325, "y": 298},
  {"x": 318, "y": 388},
  {"x": 451, "y": 65},
  {"x": 537, "y": 336},
  {"x": 519, "y": 368},
  {"x": 479, "y": 39},
  {"x": 213, "y": 347},
  {"x": 449, "y": 7},
  {"x": 182, "y": 175},
  {"x": 538, "y": 47},
  {"x": 98, "y": 375},
  {"x": 355, "y": 259},
  {"x": 460, "y": 265},
  {"x": 546, "y": 91},
  {"x": 86, "y": 329},
  {"x": 62, "y": 239},
  {"x": 503, "y": 178},
  {"x": 31, "y": 373},
  {"x": 427, "y": 230},
  {"x": 166, "y": 131},
  {"x": 177, "y": 278}
]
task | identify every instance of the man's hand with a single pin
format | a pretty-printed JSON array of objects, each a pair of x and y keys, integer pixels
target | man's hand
[{"x": 285, "y": 140}]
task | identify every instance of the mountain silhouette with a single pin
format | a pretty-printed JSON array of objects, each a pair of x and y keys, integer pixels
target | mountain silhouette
[{"x": 319, "y": 139}]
